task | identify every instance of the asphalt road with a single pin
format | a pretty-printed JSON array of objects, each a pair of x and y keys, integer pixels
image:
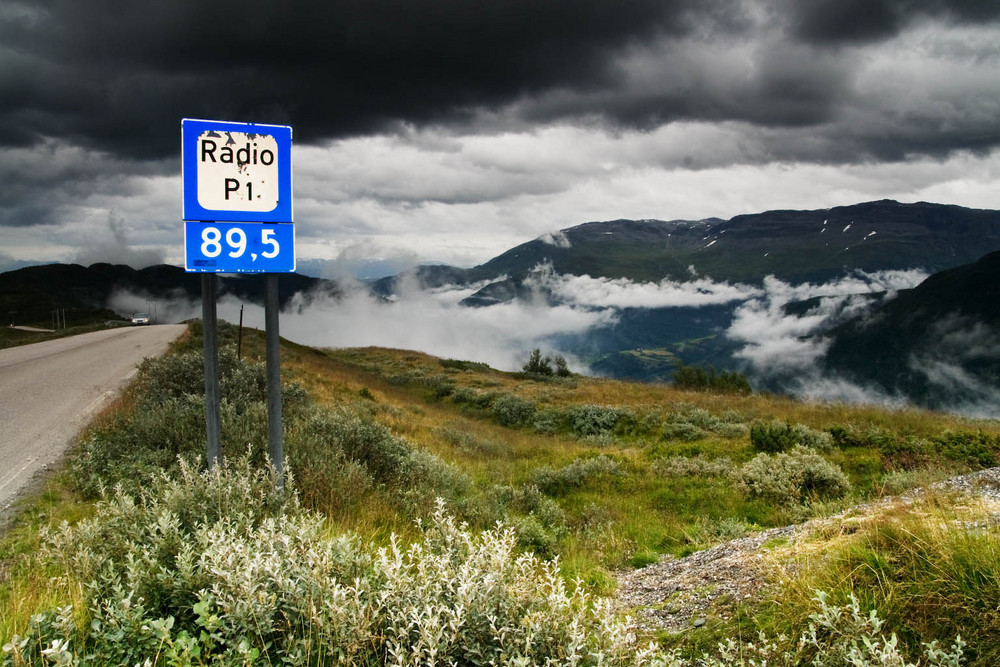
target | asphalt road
[{"x": 50, "y": 390}]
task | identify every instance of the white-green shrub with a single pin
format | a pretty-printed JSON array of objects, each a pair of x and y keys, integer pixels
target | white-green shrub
[
  {"x": 692, "y": 466},
  {"x": 587, "y": 420},
  {"x": 688, "y": 423},
  {"x": 575, "y": 474},
  {"x": 513, "y": 411},
  {"x": 470, "y": 443},
  {"x": 789, "y": 477},
  {"x": 221, "y": 568}
]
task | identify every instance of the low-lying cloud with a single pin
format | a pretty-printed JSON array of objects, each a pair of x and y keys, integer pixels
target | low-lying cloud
[
  {"x": 777, "y": 342},
  {"x": 585, "y": 291},
  {"x": 959, "y": 358},
  {"x": 776, "y": 326}
]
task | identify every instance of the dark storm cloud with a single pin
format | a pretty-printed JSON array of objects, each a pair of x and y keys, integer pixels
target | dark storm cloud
[
  {"x": 854, "y": 21},
  {"x": 112, "y": 74},
  {"x": 92, "y": 91}
]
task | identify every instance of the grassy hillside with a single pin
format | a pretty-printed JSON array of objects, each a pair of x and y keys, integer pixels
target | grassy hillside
[{"x": 604, "y": 475}]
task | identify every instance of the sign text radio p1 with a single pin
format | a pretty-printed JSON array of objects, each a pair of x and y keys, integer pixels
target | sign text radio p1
[{"x": 236, "y": 172}]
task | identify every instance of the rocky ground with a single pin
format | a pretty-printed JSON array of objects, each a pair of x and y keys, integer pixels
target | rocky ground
[{"x": 680, "y": 593}]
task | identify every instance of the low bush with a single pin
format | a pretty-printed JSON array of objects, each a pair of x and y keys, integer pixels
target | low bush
[
  {"x": 791, "y": 477},
  {"x": 688, "y": 424},
  {"x": 460, "y": 365},
  {"x": 587, "y": 420},
  {"x": 977, "y": 450},
  {"x": 548, "y": 421},
  {"x": 469, "y": 443},
  {"x": 537, "y": 520},
  {"x": 575, "y": 474},
  {"x": 513, "y": 411},
  {"x": 692, "y": 466},
  {"x": 343, "y": 453},
  {"x": 701, "y": 379},
  {"x": 777, "y": 436},
  {"x": 168, "y": 420},
  {"x": 897, "y": 451},
  {"x": 481, "y": 400},
  {"x": 327, "y": 439},
  {"x": 221, "y": 569},
  {"x": 682, "y": 432}
]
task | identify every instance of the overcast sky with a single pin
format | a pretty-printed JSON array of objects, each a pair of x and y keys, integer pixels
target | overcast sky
[{"x": 450, "y": 130}]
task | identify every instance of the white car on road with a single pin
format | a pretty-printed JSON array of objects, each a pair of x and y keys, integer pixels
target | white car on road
[{"x": 140, "y": 318}]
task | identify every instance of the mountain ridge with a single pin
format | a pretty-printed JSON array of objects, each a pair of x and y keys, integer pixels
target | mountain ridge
[{"x": 792, "y": 245}]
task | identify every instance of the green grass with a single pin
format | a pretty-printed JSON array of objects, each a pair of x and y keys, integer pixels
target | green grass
[
  {"x": 25, "y": 581},
  {"x": 583, "y": 472},
  {"x": 931, "y": 570}
]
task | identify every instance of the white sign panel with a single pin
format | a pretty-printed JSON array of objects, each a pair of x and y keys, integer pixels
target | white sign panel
[
  {"x": 237, "y": 171},
  {"x": 240, "y": 172}
]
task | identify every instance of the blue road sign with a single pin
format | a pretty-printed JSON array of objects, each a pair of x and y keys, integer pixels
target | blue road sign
[
  {"x": 239, "y": 247},
  {"x": 238, "y": 172}
]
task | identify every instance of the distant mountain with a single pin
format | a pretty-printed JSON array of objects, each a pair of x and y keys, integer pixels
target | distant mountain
[
  {"x": 795, "y": 246},
  {"x": 34, "y": 292},
  {"x": 937, "y": 344}
]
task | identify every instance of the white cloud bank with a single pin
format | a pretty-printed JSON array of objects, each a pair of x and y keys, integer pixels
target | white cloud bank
[{"x": 775, "y": 343}]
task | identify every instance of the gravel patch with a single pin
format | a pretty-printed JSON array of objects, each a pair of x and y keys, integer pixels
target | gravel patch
[{"x": 677, "y": 594}]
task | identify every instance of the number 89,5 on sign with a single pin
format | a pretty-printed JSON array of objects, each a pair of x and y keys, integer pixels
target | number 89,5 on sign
[{"x": 239, "y": 247}]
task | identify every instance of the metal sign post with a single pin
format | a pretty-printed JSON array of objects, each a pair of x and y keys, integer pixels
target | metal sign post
[
  {"x": 275, "y": 436},
  {"x": 238, "y": 219},
  {"x": 211, "y": 347}
]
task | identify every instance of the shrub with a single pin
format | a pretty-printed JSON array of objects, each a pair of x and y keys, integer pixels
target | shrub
[
  {"x": 596, "y": 419},
  {"x": 221, "y": 569},
  {"x": 575, "y": 474},
  {"x": 510, "y": 410},
  {"x": 700, "y": 379},
  {"x": 872, "y": 437},
  {"x": 974, "y": 449},
  {"x": 530, "y": 500},
  {"x": 777, "y": 436},
  {"x": 470, "y": 443},
  {"x": 168, "y": 420},
  {"x": 689, "y": 423},
  {"x": 899, "y": 452},
  {"x": 549, "y": 421},
  {"x": 682, "y": 431},
  {"x": 461, "y": 365},
  {"x": 791, "y": 477},
  {"x": 695, "y": 466},
  {"x": 328, "y": 438},
  {"x": 477, "y": 399}
]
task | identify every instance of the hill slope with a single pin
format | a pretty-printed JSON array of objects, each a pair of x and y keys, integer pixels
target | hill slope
[{"x": 937, "y": 344}]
